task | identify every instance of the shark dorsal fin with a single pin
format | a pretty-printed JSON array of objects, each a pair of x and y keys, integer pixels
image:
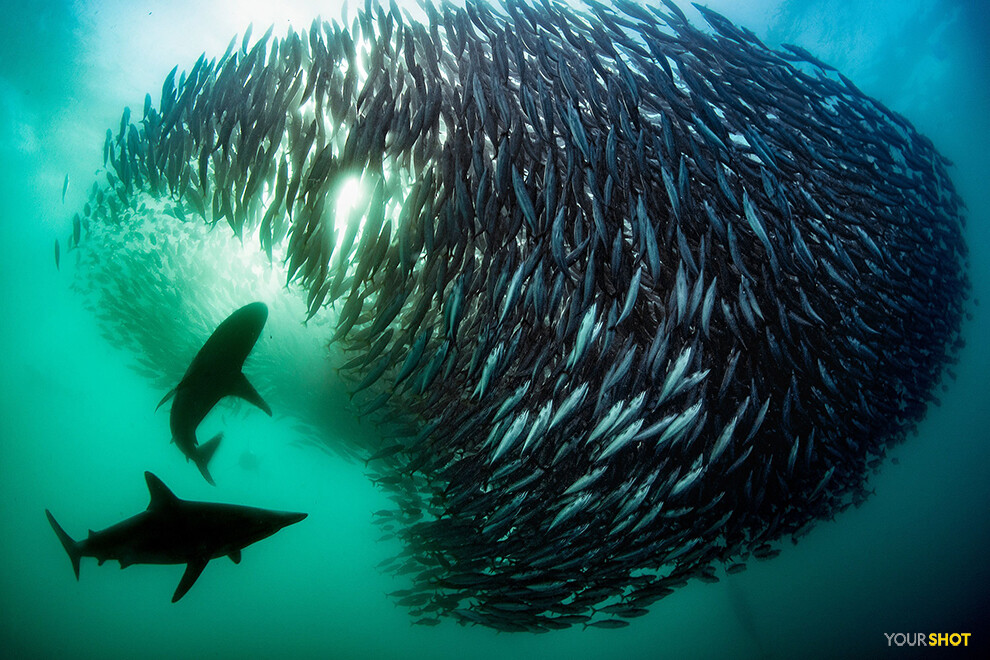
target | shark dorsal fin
[{"x": 161, "y": 496}]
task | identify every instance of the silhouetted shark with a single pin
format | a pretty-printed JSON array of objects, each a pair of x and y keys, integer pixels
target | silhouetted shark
[
  {"x": 214, "y": 373},
  {"x": 174, "y": 531}
]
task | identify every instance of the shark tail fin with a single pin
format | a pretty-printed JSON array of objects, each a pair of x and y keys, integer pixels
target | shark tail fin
[
  {"x": 204, "y": 454},
  {"x": 71, "y": 547}
]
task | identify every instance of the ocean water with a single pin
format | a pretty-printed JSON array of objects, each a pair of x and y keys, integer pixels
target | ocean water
[{"x": 78, "y": 425}]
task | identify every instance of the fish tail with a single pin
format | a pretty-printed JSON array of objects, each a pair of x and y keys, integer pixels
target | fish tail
[
  {"x": 71, "y": 547},
  {"x": 204, "y": 454}
]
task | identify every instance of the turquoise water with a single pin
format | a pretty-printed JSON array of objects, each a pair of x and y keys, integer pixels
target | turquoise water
[{"x": 78, "y": 428}]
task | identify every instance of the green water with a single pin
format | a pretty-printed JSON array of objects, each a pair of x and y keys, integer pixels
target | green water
[{"x": 78, "y": 427}]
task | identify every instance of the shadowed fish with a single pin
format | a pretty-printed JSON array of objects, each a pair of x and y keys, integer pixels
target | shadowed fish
[
  {"x": 176, "y": 531},
  {"x": 626, "y": 286},
  {"x": 214, "y": 373}
]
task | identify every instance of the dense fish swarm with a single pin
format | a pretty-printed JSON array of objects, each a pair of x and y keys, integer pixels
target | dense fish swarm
[{"x": 629, "y": 299}]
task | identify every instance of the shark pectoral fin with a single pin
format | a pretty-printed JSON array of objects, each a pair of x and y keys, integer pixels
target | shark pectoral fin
[
  {"x": 166, "y": 398},
  {"x": 193, "y": 569},
  {"x": 235, "y": 556},
  {"x": 245, "y": 390}
]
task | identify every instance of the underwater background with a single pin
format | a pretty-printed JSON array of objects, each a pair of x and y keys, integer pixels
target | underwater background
[{"x": 78, "y": 427}]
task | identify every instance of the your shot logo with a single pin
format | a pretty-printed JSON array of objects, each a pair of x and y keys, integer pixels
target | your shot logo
[{"x": 927, "y": 639}]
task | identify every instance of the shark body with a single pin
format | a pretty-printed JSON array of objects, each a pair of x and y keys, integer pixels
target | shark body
[
  {"x": 213, "y": 374},
  {"x": 176, "y": 531}
]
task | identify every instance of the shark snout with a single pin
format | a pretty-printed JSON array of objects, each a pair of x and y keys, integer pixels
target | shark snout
[{"x": 287, "y": 519}]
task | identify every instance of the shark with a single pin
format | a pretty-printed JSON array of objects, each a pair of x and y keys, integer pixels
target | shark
[
  {"x": 176, "y": 531},
  {"x": 213, "y": 374}
]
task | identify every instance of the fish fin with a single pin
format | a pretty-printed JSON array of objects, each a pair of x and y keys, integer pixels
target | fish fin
[
  {"x": 71, "y": 547},
  {"x": 235, "y": 556},
  {"x": 203, "y": 455},
  {"x": 161, "y": 496},
  {"x": 242, "y": 388},
  {"x": 193, "y": 569},
  {"x": 166, "y": 398}
]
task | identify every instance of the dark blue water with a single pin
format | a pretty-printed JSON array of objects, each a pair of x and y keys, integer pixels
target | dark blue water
[{"x": 78, "y": 428}]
